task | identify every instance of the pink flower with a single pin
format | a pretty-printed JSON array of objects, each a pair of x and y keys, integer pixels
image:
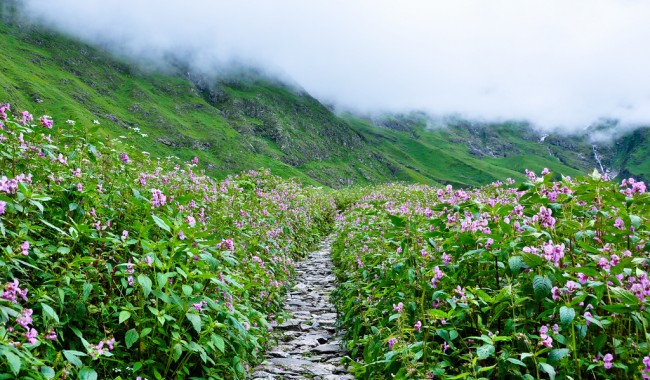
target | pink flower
[
  {"x": 619, "y": 224},
  {"x": 199, "y": 306},
  {"x": 588, "y": 314},
  {"x": 547, "y": 342},
  {"x": 31, "y": 335},
  {"x": 3, "y": 204},
  {"x": 80, "y": 187},
  {"x": 391, "y": 343},
  {"x": 46, "y": 122},
  {"x": 51, "y": 335},
  {"x": 556, "y": 293},
  {"x": 12, "y": 291},
  {"x": 3, "y": 108},
  {"x": 417, "y": 326},
  {"x": 646, "y": 370},
  {"x": 607, "y": 361},
  {"x": 399, "y": 307},
  {"x": 125, "y": 158},
  {"x": 437, "y": 275},
  {"x": 25, "y": 117},
  {"x": 25, "y": 318},
  {"x": 158, "y": 198},
  {"x": 25, "y": 248}
]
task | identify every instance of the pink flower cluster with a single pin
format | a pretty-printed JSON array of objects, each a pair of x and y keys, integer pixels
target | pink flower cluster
[
  {"x": 437, "y": 275},
  {"x": 99, "y": 349},
  {"x": 46, "y": 121},
  {"x": 158, "y": 199},
  {"x": 10, "y": 186},
  {"x": 546, "y": 341},
  {"x": 12, "y": 291},
  {"x": 632, "y": 187},
  {"x": 3, "y": 111}
]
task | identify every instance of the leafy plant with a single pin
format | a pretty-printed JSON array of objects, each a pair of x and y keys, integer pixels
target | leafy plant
[
  {"x": 548, "y": 279},
  {"x": 116, "y": 265}
]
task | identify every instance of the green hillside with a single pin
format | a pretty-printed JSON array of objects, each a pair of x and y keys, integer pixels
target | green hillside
[{"x": 246, "y": 121}]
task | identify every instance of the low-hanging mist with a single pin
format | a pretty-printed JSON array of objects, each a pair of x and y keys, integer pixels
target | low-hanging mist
[{"x": 553, "y": 63}]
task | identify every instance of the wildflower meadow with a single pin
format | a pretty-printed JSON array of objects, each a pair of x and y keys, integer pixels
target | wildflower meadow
[
  {"x": 115, "y": 264},
  {"x": 547, "y": 279}
]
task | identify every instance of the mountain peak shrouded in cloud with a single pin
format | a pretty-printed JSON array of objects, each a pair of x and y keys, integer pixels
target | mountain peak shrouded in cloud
[{"x": 554, "y": 63}]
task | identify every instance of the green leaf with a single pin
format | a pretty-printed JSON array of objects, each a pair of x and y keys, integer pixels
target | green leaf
[
  {"x": 397, "y": 221},
  {"x": 589, "y": 271},
  {"x": 88, "y": 287},
  {"x": 14, "y": 362},
  {"x": 635, "y": 220},
  {"x": 532, "y": 260},
  {"x": 177, "y": 351},
  {"x": 124, "y": 315},
  {"x": 557, "y": 354},
  {"x": 73, "y": 357},
  {"x": 87, "y": 373},
  {"x": 541, "y": 286},
  {"x": 599, "y": 342},
  {"x": 548, "y": 369},
  {"x": 567, "y": 314},
  {"x": 131, "y": 337},
  {"x": 594, "y": 321},
  {"x": 485, "y": 351},
  {"x": 218, "y": 341},
  {"x": 161, "y": 223},
  {"x": 47, "y": 310},
  {"x": 195, "y": 319},
  {"x": 38, "y": 205},
  {"x": 146, "y": 284},
  {"x": 517, "y": 362},
  {"x": 626, "y": 296},
  {"x": 516, "y": 264},
  {"x": 48, "y": 372}
]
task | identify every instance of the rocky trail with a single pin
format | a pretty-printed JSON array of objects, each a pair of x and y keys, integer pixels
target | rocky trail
[{"x": 308, "y": 347}]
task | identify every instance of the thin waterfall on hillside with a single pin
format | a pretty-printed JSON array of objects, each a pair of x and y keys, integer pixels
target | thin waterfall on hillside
[{"x": 602, "y": 169}]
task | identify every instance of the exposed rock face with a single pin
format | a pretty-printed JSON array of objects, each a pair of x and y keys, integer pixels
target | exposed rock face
[{"x": 309, "y": 347}]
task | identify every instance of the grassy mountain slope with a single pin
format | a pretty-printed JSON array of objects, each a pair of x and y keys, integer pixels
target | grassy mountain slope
[{"x": 247, "y": 121}]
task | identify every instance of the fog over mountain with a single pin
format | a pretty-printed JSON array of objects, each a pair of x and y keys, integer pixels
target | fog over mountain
[{"x": 554, "y": 63}]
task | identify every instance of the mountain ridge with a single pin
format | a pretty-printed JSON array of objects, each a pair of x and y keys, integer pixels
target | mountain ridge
[{"x": 247, "y": 121}]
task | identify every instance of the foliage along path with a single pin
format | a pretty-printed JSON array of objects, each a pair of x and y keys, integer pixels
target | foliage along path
[{"x": 309, "y": 347}]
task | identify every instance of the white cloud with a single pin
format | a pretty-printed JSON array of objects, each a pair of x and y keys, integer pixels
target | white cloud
[{"x": 553, "y": 62}]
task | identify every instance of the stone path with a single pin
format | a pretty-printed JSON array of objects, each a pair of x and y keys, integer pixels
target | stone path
[{"x": 309, "y": 347}]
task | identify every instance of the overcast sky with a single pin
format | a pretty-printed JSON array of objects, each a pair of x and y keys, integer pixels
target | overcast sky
[{"x": 555, "y": 63}]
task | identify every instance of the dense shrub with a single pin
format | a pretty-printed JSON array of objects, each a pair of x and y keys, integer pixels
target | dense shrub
[
  {"x": 115, "y": 265},
  {"x": 545, "y": 280}
]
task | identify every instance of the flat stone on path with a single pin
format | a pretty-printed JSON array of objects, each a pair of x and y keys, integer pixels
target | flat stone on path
[{"x": 309, "y": 348}]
